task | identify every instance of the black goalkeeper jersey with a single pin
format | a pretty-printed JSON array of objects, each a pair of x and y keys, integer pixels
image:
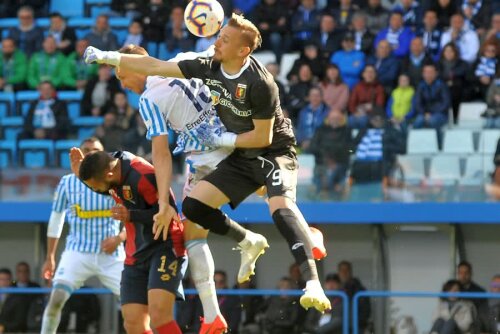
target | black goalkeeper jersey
[{"x": 240, "y": 98}]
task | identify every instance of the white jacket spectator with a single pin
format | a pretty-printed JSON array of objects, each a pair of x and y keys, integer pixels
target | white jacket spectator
[{"x": 466, "y": 40}]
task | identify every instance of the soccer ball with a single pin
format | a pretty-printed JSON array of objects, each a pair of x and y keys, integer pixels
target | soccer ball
[{"x": 203, "y": 18}]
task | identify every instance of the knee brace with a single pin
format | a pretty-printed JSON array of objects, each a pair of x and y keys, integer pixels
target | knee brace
[{"x": 209, "y": 218}]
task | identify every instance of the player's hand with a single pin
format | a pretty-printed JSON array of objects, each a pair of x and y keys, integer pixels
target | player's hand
[
  {"x": 162, "y": 221},
  {"x": 94, "y": 55},
  {"x": 109, "y": 245},
  {"x": 75, "y": 157},
  {"x": 120, "y": 212},
  {"x": 48, "y": 268}
]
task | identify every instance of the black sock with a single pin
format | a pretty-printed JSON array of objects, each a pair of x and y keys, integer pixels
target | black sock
[{"x": 290, "y": 228}]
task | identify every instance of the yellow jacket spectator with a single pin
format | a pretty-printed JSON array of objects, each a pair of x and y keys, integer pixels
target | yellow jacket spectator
[
  {"x": 400, "y": 104},
  {"x": 46, "y": 65}
]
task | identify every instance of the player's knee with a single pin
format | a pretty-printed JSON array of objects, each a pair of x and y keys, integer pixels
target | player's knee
[
  {"x": 196, "y": 211},
  {"x": 160, "y": 313},
  {"x": 58, "y": 298},
  {"x": 134, "y": 325}
]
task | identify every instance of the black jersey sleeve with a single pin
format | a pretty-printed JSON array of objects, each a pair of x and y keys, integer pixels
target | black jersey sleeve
[
  {"x": 195, "y": 68},
  {"x": 265, "y": 100},
  {"x": 143, "y": 216}
]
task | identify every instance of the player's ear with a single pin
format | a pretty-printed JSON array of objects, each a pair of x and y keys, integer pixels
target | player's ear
[{"x": 244, "y": 51}]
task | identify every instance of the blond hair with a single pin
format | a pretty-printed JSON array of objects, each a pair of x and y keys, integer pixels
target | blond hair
[
  {"x": 251, "y": 35},
  {"x": 132, "y": 49}
]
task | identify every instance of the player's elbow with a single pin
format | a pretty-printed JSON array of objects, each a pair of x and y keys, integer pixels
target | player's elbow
[{"x": 265, "y": 141}]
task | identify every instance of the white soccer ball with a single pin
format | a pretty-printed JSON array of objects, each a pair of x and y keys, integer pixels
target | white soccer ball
[{"x": 204, "y": 18}]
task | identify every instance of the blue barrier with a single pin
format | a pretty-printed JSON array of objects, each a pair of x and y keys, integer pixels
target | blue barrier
[
  {"x": 227, "y": 292},
  {"x": 315, "y": 212},
  {"x": 361, "y": 294}
]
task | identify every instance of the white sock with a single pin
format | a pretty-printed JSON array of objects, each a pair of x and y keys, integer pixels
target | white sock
[
  {"x": 249, "y": 239},
  {"x": 313, "y": 284},
  {"x": 201, "y": 266},
  {"x": 52, "y": 313}
]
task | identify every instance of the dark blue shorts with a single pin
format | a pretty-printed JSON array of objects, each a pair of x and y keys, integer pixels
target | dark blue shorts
[{"x": 163, "y": 270}]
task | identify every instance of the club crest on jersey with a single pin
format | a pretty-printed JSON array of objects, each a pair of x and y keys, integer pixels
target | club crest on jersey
[
  {"x": 241, "y": 91},
  {"x": 215, "y": 97},
  {"x": 127, "y": 194}
]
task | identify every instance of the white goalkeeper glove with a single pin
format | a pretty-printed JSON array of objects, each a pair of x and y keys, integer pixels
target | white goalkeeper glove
[
  {"x": 94, "y": 55},
  {"x": 226, "y": 139}
]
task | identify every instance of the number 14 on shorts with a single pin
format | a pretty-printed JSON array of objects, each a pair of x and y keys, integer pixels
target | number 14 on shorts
[{"x": 172, "y": 267}]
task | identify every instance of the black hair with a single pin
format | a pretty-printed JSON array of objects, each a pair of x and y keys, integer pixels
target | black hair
[{"x": 94, "y": 165}]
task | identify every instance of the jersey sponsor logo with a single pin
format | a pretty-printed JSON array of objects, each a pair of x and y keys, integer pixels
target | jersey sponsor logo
[
  {"x": 241, "y": 91},
  {"x": 218, "y": 84},
  {"x": 236, "y": 111},
  {"x": 127, "y": 194},
  {"x": 203, "y": 118},
  {"x": 215, "y": 97},
  {"x": 89, "y": 214}
]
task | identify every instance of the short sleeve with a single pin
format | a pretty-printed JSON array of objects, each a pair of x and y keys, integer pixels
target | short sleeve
[
  {"x": 195, "y": 68},
  {"x": 60, "y": 200},
  {"x": 264, "y": 99},
  {"x": 153, "y": 118}
]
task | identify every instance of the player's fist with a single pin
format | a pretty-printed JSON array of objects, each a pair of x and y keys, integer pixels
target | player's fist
[
  {"x": 48, "y": 268},
  {"x": 94, "y": 55},
  {"x": 109, "y": 245},
  {"x": 120, "y": 212},
  {"x": 75, "y": 157}
]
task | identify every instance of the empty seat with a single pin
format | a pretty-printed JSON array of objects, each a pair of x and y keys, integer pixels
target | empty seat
[
  {"x": 82, "y": 25},
  {"x": 7, "y": 153},
  {"x": 445, "y": 169},
  {"x": 488, "y": 139},
  {"x": 73, "y": 99},
  {"x": 61, "y": 150},
  {"x": 23, "y": 100},
  {"x": 152, "y": 48},
  {"x": 306, "y": 169},
  {"x": 422, "y": 141},
  {"x": 7, "y": 103},
  {"x": 478, "y": 168},
  {"x": 286, "y": 65},
  {"x": 67, "y": 7},
  {"x": 119, "y": 25},
  {"x": 469, "y": 114},
  {"x": 11, "y": 127},
  {"x": 458, "y": 141},
  {"x": 86, "y": 125},
  {"x": 133, "y": 99},
  {"x": 36, "y": 153},
  {"x": 413, "y": 167},
  {"x": 265, "y": 57},
  {"x": 43, "y": 22}
]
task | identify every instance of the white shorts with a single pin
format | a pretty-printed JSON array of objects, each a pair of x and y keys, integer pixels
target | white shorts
[
  {"x": 75, "y": 268},
  {"x": 200, "y": 164}
]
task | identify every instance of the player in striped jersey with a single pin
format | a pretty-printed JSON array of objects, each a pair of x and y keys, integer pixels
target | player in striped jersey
[{"x": 93, "y": 246}]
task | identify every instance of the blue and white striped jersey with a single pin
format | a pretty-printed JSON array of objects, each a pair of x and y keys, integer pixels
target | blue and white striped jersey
[{"x": 88, "y": 214}]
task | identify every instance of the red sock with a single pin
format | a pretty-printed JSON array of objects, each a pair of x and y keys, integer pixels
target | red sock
[
  {"x": 169, "y": 328},
  {"x": 148, "y": 332}
]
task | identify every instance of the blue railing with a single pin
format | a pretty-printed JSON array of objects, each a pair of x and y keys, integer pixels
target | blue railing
[
  {"x": 227, "y": 292},
  {"x": 385, "y": 294}
]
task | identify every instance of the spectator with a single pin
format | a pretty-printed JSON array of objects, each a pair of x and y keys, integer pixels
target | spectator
[
  {"x": 367, "y": 97},
  {"x": 398, "y": 36},
  {"x": 387, "y": 66},
  {"x": 485, "y": 68},
  {"x": 110, "y": 133},
  {"x": 329, "y": 37},
  {"x": 494, "y": 32},
  {"x": 64, "y": 36},
  {"x": 453, "y": 72},
  {"x": 188, "y": 311},
  {"x": 329, "y": 322},
  {"x": 14, "y": 307},
  {"x": 311, "y": 57},
  {"x": 47, "y": 117},
  {"x": 203, "y": 43},
  {"x": 494, "y": 305},
  {"x": 492, "y": 113},
  {"x": 400, "y": 105},
  {"x": 23, "y": 276},
  {"x": 178, "y": 38},
  {"x": 46, "y": 65},
  {"x": 295, "y": 276},
  {"x": 363, "y": 38},
  {"x": 99, "y": 92},
  {"x": 298, "y": 92},
  {"x": 432, "y": 101},
  {"x": 229, "y": 305},
  {"x": 445, "y": 9},
  {"x": 477, "y": 14},
  {"x": 411, "y": 12},
  {"x": 282, "y": 311},
  {"x": 132, "y": 9},
  {"x": 155, "y": 20},
  {"x": 310, "y": 118},
  {"x": 464, "y": 276},
  {"x": 350, "y": 61},
  {"x": 331, "y": 146},
  {"x": 431, "y": 35},
  {"x": 135, "y": 140},
  {"x": 465, "y": 39},
  {"x": 101, "y": 35},
  {"x": 376, "y": 16},
  {"x": 344, "y": 12},
  {"x": 305, "y": 21},
  {"x": 453, "y": 315},
  {"x": 274, "y": 69},
  {"x": 13, "y": 67},
  {"x": 77, "y": 72},
  {"x": 125, "y": 114},
  {"x": 27, "y": 35},
  {"x": 135, "y": 35},
  {"x": 272, "y": 20},
  {"x": 335, "y": 91},
  {"x": 415, "y": 61},
  {"x": 251, "y": 309}
]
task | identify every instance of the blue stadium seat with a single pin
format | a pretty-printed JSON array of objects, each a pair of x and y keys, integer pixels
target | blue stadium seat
[
  {"x": 61, "y": 150},
  {"x": 43, "y": 22},
  {"x": 24, "y": 99},
  {"x": 152, "y": 48},
  {"x": 67, "y": 7},
  {"x": 72, "y": 98},
  {"x": 36, "y": 153},
  {"x": 11, "y": 126},
  {"x": 82, "y": 25},
  {"x": 133, "y": 99},
  {"x": 86, "y": 125},
  {"x": 98, "y": 10},
  {"x": 5, "y": 24},
  {"x": 7, "y": 104},
  {"x": 7, "y": 153},
  {"x": 94, "y": 7},
  {"x": 164, "y": 54},
  {"x": 119, "y": 25}
]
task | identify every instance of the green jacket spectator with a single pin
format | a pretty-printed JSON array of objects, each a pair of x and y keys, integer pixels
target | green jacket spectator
[
  {"x": 46, "y": 65},
  {"x": 13, "y": 66},
  {"x": 76, "y": 71}
]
